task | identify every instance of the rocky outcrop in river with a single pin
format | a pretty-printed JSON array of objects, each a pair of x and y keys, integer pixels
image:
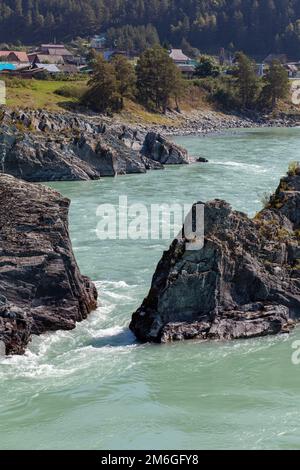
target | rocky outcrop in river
[
  {"x": 244, "y": 282},
  {"x": 161, "y": 150},
  {"x": 39, "y": 146},
  {"x": 41, "y": 288}
]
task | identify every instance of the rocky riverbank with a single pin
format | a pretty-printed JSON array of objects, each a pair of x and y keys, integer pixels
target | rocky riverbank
[
  {"x": 43, "y": 146},
  {"x": 244, "y": 282},
  {"x": 41, "y": 288},
  {"x": 39, "y": 146},
  {"x": 208, "y": 122}
]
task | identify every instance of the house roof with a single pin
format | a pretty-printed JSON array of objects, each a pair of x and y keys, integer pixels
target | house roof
[
  {"x": 178, "y": 56},
  {"x": 51, "y": 68},
  {"x": 281, "y": 57},
  {"x": 46, "y": 46},
  {"x": 20, "y": 55},
  {"x": 186, "y": 68},
  {"x": 68, "y": 68},
  {"x": 6, "y": 66},
  {"x": 292, "y": 67},
  {"x": 61, "y": 52},
  {"x": 46, "y": 58},
  {"x": 55, "y": 49}
]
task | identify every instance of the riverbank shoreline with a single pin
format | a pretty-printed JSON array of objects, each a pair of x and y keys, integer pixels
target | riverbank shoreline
[
  {"x": 39, "y": 146},
  {"x": 205, "y": 123}
]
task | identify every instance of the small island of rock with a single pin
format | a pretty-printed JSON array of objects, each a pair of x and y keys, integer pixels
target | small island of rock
[{"x": 244, "y": 282}]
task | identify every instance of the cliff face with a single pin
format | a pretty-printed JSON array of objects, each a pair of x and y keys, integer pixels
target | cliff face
[
  {"x": 39, "y": 146},
  {"x": 244, "y": 282},
  {"x": 41, "y": 288}
]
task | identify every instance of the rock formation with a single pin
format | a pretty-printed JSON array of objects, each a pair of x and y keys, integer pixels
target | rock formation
[
  {"x": 163, "y": 151},
  {"x": 41, "y": 288},
  {"x": 244, "y": 282},
  {"x": 37, "y": 147}
]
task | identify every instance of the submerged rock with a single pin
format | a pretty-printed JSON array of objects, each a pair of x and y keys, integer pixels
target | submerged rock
[
  {"x": 41, "y": 288},
  {"x": 244, "y": 282}
]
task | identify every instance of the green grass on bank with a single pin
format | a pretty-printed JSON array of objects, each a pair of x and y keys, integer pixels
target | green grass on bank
[
  {"x": 38, "y": 94},
  {"x": 58, "y": 95}
]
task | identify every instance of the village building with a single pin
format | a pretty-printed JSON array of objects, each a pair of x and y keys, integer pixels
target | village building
[
  {"x": 108, "y": 55},
  {"x": 45, "y": 59},
  {"x": 98, "y": 42},
  {"x": 55, "y": 50},
  {"x": 292, "y": 70},
  {"x": 15, "y": 57},
  {"x": 49, "y": 68},
  {"x": 52, "y": 54},
  {"x": 188, "y": 71},
  {"x": 179, "y": 57},
  {"x": 183, "y": 62},
  {"x": 282, "y": 58}
]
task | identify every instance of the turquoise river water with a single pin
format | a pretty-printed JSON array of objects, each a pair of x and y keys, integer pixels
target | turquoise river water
[{"x": 97, "y": 388}]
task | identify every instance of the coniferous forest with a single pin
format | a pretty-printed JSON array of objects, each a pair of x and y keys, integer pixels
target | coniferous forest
[{"x": 255, "y": 26}]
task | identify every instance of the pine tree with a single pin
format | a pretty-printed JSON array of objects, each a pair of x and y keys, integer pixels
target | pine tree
[
  {"x": 277, "y": 84},
  {"x": 247, "y": 81},
  {"x": 102, "y": 95},
  {"x": 125, "y": 76},
  {"x": 158, "y": 79}
]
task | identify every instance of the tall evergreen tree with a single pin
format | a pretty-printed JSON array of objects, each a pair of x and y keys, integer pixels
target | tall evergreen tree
[
  {"x": 125, "y": 76},
  {"x": 277, "y": 84},
  {"x": 102, "y": 95},
  {"x": 247, "y": 81},
  {"x": 158, "y": 79}
]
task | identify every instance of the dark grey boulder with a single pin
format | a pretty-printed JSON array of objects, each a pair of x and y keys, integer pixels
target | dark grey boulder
[
  {"x": 41, "y": 287},
  {"x": 244, "y": 282},
  {"x": 159, "y": 149}
]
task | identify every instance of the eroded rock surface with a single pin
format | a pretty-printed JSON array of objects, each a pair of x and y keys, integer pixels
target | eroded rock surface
[
  {"x": 244, "y": 282},
  {"x": 38, "y": 146},
  {"x": 41, "y": 288},
  {"x": 161, "y": 150}
]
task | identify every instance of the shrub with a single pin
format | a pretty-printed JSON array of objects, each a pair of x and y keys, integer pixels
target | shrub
[
  {"x": 294, "y": 168},
  {"x": 266, "y": 200},
  {"x": 71, "y": 91}
]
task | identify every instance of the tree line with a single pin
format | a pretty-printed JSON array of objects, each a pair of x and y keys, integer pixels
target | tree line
[
  {"x": 256, "y": 26},
  {"x": 153, "y": 82},
  {"x": 157, "y": 83}
]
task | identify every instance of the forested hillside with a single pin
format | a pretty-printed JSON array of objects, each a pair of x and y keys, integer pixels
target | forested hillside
[{"x": 256, "y": 26}]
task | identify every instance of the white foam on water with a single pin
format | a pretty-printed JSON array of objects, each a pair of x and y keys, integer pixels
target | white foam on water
[
  {"x": 246, "y": 166},
  {"x": 114, "y": 284}
]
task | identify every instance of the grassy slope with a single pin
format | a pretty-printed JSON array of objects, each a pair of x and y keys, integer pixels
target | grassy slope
[
  {"x": 40, "y": 94},
  {"x": 36, "y": 94}
]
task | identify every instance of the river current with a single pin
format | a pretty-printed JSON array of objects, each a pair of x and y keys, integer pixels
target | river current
[{"x": 97, "y": 388}]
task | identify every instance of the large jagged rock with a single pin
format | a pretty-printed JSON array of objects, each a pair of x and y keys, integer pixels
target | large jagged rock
[
  {"x": 38, "y": 146},
  {"x": 159, "y": 149},
  {"x": 244, "y": 282},
  {"x": 41, "y": 288},
  {"x": 33, "y": 158}
]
